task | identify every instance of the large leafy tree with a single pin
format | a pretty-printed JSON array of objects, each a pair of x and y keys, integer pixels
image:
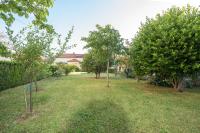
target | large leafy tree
[
  {"x": 38, "y": 8},
  {"x": 94, "y": 62},
  {"x": 169, "y": 45},
  {"x": 107, "y": 41},
  {"x": 33, "y": 49}
]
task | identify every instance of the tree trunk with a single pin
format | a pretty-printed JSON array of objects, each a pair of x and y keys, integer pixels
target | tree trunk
[
  {"x": 178, "y": 84},
  {"x": 108, "y": 74},
  {"x": 96, "y": 75},
  {"x": 99, "y": 75}
]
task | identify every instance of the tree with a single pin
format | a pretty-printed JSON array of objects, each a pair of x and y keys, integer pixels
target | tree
[
  {"x": 39, "y": 9},
  {"x": 32, "y": 48},
  {"x": 93, "y": 62},
  {"x": 168, "y": 45},
  {"x": 107, "y": 41}
]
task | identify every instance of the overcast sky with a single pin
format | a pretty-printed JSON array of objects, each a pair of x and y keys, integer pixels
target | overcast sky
[{"x": 124, "y": 15}]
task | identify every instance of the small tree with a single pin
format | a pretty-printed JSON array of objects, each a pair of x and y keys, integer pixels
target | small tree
[
  {"x": 31, "y": 45},
  {"x": 92, "y": 62},
  {"x": 169, "y": 45},
  {"x": 107, "y": 41}
]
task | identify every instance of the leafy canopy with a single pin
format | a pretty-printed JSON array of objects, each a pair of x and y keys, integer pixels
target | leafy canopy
[
  {"x": 169, "y": 44},
  {"x": 105, "y": 39},
  {"x": 33, "y": 48},
  {"x": 93, "y": 62},
  {"x": 25, "y": 8}
]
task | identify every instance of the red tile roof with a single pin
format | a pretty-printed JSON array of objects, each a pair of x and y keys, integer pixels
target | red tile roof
[{"x": 73, "y": 55}]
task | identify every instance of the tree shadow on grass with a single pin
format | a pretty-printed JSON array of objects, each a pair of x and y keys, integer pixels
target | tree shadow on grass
[{"x": 99, "y": 117}]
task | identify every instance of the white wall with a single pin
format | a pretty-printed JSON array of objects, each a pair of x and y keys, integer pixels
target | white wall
[{"x": 5, "y": 59}]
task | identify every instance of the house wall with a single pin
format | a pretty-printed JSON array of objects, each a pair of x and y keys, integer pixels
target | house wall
[
  {"x": 60, "y": 60},
  {"x": 65, "y": 60}
]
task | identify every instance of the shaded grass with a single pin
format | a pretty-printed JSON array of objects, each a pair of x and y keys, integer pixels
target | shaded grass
[
  {"x": 83, "y": 104},
  {"x": 99, "y": 116}
]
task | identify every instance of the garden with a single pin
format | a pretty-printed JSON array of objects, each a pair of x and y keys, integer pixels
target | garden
[{"x": 148, "y": 84}]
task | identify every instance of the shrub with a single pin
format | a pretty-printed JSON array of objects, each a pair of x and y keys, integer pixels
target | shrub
[
  {"x": 112, "y": 70},
  {"x": 156, "y": 80},
  {"x": 73, "y": 68},
  {"x": 67, "y": 70},
  {"x": 44, "y": 72},
  {"x": 12, "y": 74},
  {"x": 55, "y": 70},
  {"x": 129, "y": 73}
]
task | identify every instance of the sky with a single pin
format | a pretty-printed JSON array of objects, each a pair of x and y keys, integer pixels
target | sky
[{"x": 124, "y": 15}]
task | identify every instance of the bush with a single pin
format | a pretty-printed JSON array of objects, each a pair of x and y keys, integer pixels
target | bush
[
  {"x": 155, "y": 80},
  {"x": 129, "y": 73},
  {"x": 67, "y": 70},
  {"x": 56, "y": 71},
  {"x": 112, "y": 70},
  {"x": 73, "y": 68},
  {"x": 44, "y": 72},
  {"x": 12, "y": 74}
]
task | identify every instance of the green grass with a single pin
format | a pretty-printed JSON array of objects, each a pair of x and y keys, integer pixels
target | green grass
[{"x": 82, "y": 104}]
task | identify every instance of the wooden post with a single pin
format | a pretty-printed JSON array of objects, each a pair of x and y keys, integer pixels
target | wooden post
[
  {"x": 108, "y": 74},
  {"x": 30, "y": 99}
]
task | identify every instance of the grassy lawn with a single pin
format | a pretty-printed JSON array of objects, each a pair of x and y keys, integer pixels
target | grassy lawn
[{"x": 82, "y": 104}]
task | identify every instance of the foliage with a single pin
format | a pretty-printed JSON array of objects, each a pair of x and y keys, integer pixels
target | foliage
[
  {"x": 155, "y": 80},
  {"x": 39, "y": 9},
  {"x": 93, "y": 62},
  {"x": 11, "y": 74},
  {"x": 56, "y": 71},
  {"x": 73, "y": 68},
  {"x": 67, "y": 70},
  {"x": 168, "y": 45},
  {"x": 106, "y": 41},
  {"x": 33, "y": 49},
  {"x": 4, "y": 51}
]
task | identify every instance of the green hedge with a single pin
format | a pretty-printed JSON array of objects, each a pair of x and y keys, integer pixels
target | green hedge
[{"x": 11, "y": 75}]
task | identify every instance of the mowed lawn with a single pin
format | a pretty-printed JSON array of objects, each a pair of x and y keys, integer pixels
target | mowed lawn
[{"x": 83, "y": 104}]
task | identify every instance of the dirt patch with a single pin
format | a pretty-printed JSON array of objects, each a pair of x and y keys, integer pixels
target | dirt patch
[{"x": 26, "y": 116}]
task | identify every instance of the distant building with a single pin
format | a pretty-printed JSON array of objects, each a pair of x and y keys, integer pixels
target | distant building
[{"x": 70, "y": 58}]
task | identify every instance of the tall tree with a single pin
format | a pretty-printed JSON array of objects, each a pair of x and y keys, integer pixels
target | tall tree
[
  {"x": 39, "y": 9},
  {"x": 169, "y": 45},
  {"x": 107, "y": 41}
]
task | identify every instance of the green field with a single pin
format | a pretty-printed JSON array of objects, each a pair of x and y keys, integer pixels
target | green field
[{"x": 82, "y": 104}]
